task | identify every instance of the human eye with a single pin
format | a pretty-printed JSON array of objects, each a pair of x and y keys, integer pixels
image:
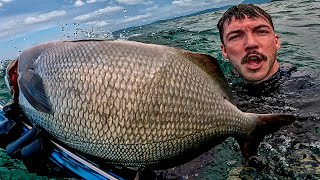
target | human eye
[
  {"x": 234, "y": 37},
  {"x": 263, "y": 31}
]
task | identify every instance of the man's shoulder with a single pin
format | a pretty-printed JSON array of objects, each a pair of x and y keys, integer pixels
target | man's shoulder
[
  {"x": 289, "y": 78},
  {"x": 298, "y": 79}
]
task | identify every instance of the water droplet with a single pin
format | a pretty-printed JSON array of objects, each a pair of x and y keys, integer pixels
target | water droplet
[
  {"x": 124, "y": 10},
  {"x": 24, "y": 38}
]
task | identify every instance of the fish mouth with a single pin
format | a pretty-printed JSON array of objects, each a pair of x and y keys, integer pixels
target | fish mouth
[
  {"x": 253, "y": 60},
  {"x": 11, "y": 78},
  {"x": 11, "y": 73}
]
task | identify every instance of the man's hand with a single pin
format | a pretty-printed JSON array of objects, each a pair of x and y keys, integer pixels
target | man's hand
[
  {"x": 16, "y": 139},
  {"x": 26, "y": 145}
]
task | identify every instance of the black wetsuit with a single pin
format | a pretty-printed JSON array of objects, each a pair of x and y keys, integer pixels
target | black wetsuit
[
  {"x": 285, "y": 91},
  {"x": 290, "y": 90}
]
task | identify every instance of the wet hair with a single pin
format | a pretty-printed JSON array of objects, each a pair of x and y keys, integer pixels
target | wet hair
[{"x": 240, "y": 12}]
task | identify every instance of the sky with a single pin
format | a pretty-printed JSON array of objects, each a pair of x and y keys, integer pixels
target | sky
[{"x": 24, "y": 23}]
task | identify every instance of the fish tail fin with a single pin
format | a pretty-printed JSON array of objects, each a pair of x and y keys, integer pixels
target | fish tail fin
[{"x": 266, "y": 124}]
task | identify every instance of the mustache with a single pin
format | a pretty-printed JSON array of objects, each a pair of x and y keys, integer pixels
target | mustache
[{"x": 260, "y": 56}]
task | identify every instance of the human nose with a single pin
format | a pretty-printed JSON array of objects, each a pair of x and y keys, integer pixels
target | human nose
[{"x": 251, "y": 42}]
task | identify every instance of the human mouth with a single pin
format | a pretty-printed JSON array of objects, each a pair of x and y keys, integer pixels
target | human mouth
[
  {"x": 254, "y": 60},
  {"x": 254, "y": 63}
]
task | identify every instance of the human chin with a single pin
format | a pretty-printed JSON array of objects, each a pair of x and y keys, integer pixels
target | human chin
[{"x": 254, "y": 77}]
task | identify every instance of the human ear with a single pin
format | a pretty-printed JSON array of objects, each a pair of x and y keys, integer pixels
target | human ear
[
  {"x": 277, "y": 41},
  {"x": 224, "y": 52}
]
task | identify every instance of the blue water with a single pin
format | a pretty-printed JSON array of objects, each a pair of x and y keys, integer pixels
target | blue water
[{"x": 297, "y": 23}]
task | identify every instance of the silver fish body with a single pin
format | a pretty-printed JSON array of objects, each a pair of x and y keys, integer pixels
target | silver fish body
[{"x": 129, "y": 103}]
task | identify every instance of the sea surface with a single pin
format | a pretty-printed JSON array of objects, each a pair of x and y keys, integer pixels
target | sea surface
[{"x": 293, "y": 153}]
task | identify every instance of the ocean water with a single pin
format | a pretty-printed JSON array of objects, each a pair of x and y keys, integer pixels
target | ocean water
[
  {"x": 290, "y": 154},
  {"x": 295, "y": 21}
]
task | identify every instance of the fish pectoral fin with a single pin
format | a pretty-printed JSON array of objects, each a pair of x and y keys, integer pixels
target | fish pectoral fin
[
  {"x": 249, "y": 147},
  {"x": 32, "y": 87},
  {"x": 266, "y": 124}
]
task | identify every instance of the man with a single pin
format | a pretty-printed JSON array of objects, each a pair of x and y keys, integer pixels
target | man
[{"x": 249, "y": 42}]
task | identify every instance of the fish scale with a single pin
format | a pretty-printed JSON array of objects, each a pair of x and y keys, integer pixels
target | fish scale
[{"x": 129, "y": 103}]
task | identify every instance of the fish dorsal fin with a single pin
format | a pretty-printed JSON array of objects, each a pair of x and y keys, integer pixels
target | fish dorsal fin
[
  {"x": 211, "y": 66},
  {"x": 89, "y": 40},
  {"x": 30, "y": 83}
]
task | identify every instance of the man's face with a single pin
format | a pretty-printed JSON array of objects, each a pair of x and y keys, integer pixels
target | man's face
[{"x": 251, "y": 46}]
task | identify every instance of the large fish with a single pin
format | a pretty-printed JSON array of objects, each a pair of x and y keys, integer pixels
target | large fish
[{"x": 131, "y": 103}]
